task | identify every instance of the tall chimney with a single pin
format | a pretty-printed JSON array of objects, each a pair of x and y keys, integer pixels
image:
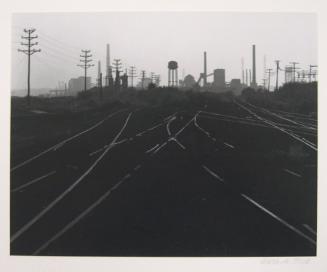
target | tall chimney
[
  {"x": 254, "y": 81},
  {"x": 250, "y": 78},
  {"x": 242, "y": 61},
  {"x": 247, "y": 77},
  {"x": 99, "y": 73},
  {"x": 108, "y": 65},
  {"x": 205, "y": 69}
]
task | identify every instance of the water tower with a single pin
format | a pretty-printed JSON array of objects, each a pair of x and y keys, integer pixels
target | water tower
[{"x": 172, "y": 73}]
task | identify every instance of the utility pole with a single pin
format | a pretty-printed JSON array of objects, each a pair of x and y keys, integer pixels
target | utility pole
[
  {"x": 264, "y": 83},
  {"x": 294, "y": 69},
  {"x": 310, "y": 71},
  {"x": 269, "y": 73},
  {"x": 117, "y": 66},
  {"x": 108, "y": 67},
  {"x": 277, "y": 69},
  {"x": 142, "y": 78},
  {"x": 124, "y": 79},
  {"x": 157, "y": 80},
  {"x": 29, "y": 51},
  {"x": 288, "y": 73},
  {"x": 100, "y": 86},
  {"x": 99, "y": 73},
  {"x": 152, "y": 76},
  {"x": 85, "y": 64},
  {"x": 264, "y": 71},
  {"x": 132, "y": 74},
  {"x": 303, "y": 76}
]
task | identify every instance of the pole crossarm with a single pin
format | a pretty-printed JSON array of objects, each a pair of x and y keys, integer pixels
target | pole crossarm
[
  {"x": 85, "y": 63},
  {"x": 29, "y": 51}
]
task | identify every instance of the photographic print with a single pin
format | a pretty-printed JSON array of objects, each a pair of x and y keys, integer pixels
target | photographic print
[{"x": 164, "y": 134}]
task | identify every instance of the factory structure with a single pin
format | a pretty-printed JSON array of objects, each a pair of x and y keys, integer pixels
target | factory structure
[
  {"x": 75, "y": 85},
  {"x": 218, "y": 75},
  {"x": 116, "y": 78},
  {"x": 214, "y": 81},
  {"x": 218, "y": 84}
]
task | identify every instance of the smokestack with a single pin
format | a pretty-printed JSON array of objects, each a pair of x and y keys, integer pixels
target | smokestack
[
  {"x": 242, "y": 71},
  {"x": 99, "y": 73},
  {"x": 205, "y": 69},
  {"x": 108, "y": 65},
  {"x": 254, "y": 81},
  {"x": 247, "y": 82},
  {"x": 250, "y": 78}
]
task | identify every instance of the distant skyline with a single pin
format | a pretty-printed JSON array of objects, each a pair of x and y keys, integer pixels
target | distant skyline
[{"x": 148, "y": 40}]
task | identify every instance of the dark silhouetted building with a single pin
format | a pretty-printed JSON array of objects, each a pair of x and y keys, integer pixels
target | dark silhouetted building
[
  {"x": 219, "y": 81},
  {"x": 124, "y": 81},
  {"x": 76, "y": 85},
  {"x": 236, "y": 86},
  {"x": 189, "y": 81},
  {"x": 143, "y": 84}
]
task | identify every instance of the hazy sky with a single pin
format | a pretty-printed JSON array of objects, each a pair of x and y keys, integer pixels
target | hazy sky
[{"x": 149, "y": 40}]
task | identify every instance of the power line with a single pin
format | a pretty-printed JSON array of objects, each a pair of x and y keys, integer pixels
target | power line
[
  {"x": 54, "y": 41},
  {"x": 59, "y": 58},
  {"x": 59, "y": 42},
  {"x": 47, "y": 63},
  {"x": 59, "y": 51},
  {"x": 29, "y": 51},
  {"x": 51, "y": 68},
  {"x": 85, "y": 64}
]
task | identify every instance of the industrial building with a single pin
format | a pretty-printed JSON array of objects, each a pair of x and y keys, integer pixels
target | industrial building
[
  {"x": 189, "y": 81},
  {"x": 143, "y": 84},
  {"x": 236, "y": 86},
  {"x": 219, "y": 80},
  {"x": 76, "y": 85}
]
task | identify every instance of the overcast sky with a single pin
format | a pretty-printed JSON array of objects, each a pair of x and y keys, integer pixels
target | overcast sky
[{"x": 149, "y": 40}]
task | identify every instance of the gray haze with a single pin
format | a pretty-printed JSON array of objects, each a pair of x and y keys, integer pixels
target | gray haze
[{"x": 149, "y": 40}]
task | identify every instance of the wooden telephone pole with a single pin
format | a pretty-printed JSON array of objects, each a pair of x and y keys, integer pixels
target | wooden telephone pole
[
  {"x": 85, "y": 64},
  {"x": 143, "y": 78},
  {"x": 269, "y": 73},
  {"x": 132, "y": 74},
  {"x": 29, "y": 51}
]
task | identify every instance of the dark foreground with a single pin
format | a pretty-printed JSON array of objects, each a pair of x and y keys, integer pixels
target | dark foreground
[{"x": 211, "y": 181}]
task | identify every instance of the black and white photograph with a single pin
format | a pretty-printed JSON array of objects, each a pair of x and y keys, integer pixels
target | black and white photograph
[{"x": 164, "y": 134}]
